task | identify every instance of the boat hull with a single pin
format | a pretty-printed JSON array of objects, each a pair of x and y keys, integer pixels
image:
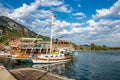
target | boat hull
[
  {"x": 22, "y": 60},
  {"x": 49, "y": 61}
]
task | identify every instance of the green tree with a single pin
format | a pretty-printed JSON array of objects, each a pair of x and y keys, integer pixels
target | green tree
[
  {"x": 92, "y": 46},
  {"x": 104, "y": 47}
]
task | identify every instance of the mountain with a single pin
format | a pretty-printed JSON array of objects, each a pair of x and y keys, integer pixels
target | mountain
[{"x": 11, "y": 29}]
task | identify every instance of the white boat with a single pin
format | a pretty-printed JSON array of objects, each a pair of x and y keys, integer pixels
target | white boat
[
  {"x": 3, "y": 53},
  {"x": 55, "y": 57},
  {"x": 54, "y": 54}
]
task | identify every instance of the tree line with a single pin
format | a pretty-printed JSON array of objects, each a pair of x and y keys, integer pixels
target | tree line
[{"x": 94, "y": 47}]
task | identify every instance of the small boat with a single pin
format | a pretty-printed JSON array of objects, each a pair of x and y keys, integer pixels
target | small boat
[
  {"x": 3, "y": 53},
  {"x": 21, "y": 51},
  {"x": 23, "y": 58},
  {"x": 56, "y": 57},
  {"x": 53, "y": 54},
  {"x": 75, "y": 52}
]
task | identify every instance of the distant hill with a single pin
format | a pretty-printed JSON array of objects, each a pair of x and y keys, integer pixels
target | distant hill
[{"x": 11, "y": 29}]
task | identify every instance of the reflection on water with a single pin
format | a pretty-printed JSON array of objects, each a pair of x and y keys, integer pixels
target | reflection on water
[
  {"x": 25, "y": 65},
  {"x": 58, "y": 68}
]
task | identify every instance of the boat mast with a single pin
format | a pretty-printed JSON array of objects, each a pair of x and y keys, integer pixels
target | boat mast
[{"x": 52, "y": 24}]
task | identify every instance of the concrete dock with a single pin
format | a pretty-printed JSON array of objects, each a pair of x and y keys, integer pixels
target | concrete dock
[
  {"x": 30, "y": 74},
  {"x": 5, "y": 75}
]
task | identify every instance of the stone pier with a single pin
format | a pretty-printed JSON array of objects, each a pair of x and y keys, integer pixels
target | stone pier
[{"x": 29, "y": 74}]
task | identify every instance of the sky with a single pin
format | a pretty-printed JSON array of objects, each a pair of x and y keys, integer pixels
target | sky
[{"x": 80, "y": 21}]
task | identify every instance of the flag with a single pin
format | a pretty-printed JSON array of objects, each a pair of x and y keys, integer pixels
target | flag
[
  {"x": 23, "y": 31},
  {"x": 54, "y": 15},
  {"x": 53, "y": 23}
]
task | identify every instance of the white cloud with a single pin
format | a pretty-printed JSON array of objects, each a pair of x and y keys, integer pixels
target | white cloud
[
  {"x": 79, "y": 5},
  {"x": 114, "y": 37},
  {"x": 92, "y": 33},
  {"x": 62, "y": 23},
  {"x": 112, "y": 11},
  {"x": 101, "y": 31},
  {"x": 50, "y": 2},
  {"x": 62, "y": 8},
  {"x": 40, "y": 23},
  {"x": 64, "y": 27},
  {"x": 61, "y": 26},
  {"x": 75, "y": 24},
  {"x": 65, "y": 24},
  {"x": 41, "y": 14},
  {"x": 91, "y": 22},
  {"x": 107, "y": 22},
  {"x": 3, "y": 11},
  {"x": 111, "y": 39},
  {"x": 21, "y": 21},
  {"x": 24, "y": 10},
  {"x": 76, "y": 30},
  {"x": 103, "y": 23},
  {"x": 79, "y": 15},
  {"x": 64, "y": 31},
  {"x": 103, "y": 26}
]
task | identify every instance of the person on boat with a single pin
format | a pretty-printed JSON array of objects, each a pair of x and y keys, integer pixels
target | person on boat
[{"x": 55, "y": 51}]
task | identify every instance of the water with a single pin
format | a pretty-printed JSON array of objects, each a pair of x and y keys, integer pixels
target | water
[
  {"x": 95, "y": 66},
  {"x": 104, "y": 65}
]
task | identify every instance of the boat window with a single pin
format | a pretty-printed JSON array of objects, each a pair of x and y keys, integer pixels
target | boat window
[
  {"x": 62, "y": 52},
  {"x": 56, "y": 56},
  {"x": 60, "y": 55},
  {"x": 46, "y": 56}
]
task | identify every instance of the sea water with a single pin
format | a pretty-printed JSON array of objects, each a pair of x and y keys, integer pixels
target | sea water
[{"x": 95, "y": 65}]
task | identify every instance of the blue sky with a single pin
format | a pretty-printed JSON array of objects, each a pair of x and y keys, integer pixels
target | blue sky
[{"x": 81, "y": 21}]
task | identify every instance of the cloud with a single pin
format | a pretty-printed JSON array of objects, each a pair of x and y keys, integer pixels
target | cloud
[
  {"x": 62, "y": 23},
  {"x": 3, "y": 11},
  {"x": 41, "y": 14},
  {"x": 91, "y": 22},
  {"x": 79, "y": 15},
  {"x": 101, "y": 29},
  {"x": 106, "y": 32},
  {"x": 24, "y": 10},
  {"x": 66, "y": 28},
  {"x": 63, "y": 32},
  {"x": 40, "y": 23},
  {"x": 102, "y": 32},
  {"x": 22, "y": 21},
  {"x": 65, "y": 24},
  {"x": 112, "y": 11},
  {"x": 41, "y": 26},
  {"x": 61, "y": 27},
  {"x": 62, "y": 8},
  {"x": 79, "y": 5},
  {"x": 103, "y": 22},
  {"x": 49, "y": 3}
]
